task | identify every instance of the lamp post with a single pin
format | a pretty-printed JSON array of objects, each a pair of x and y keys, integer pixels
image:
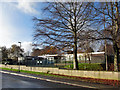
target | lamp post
[
  {"x": 19, "y": 60},
  {"x": 106, "y": 61}
]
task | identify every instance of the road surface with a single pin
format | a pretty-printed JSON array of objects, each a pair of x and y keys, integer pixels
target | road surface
[
  {"x": 22, "y": 81},
  {"x": 13, "y": 81}
]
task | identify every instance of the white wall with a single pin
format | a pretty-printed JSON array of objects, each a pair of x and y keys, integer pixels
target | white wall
[{"x": 79, "y": 73}]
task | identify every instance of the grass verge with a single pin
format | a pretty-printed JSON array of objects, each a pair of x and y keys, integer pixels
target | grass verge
[
  {"x": 37, "y": 73},
  {"x": 92, "y": 80}
]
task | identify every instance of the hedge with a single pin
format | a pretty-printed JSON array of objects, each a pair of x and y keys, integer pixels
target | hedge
[
  {"x": 93, "y": 66},
  {"x": 86, "y": 66}
]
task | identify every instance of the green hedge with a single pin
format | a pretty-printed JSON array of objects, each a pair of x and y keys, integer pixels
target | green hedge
[{"x": 86, "y": 66}]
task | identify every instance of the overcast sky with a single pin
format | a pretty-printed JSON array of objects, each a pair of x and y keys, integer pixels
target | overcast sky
[{"x": 16, "y": 22}]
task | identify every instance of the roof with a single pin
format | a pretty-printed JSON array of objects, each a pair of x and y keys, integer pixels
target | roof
[
  {"x": 54, "y": 55},
  {"x": 47, "y": 55},
  {"x": 92, "y": 53}
]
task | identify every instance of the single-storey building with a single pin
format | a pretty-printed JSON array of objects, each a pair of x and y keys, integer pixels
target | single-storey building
[
  {"x": 94, "y": 57},
  {"x": 52, "y": 58},
  {"x": 44, "y": 60}
]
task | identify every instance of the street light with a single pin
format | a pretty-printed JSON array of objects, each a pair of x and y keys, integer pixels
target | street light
[
  {"x": 20, "y": 44},
  {"x": 19, "y": 61}
]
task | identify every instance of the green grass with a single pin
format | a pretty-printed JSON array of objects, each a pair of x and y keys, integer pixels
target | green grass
[
  {"x": 36, "y": 73},
  {"x": 16, "y": 70}
]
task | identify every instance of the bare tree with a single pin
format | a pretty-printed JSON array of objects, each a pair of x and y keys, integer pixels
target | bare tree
[
  {"x": 111, "y": 22},
  {"x": 65, "y": 25}
]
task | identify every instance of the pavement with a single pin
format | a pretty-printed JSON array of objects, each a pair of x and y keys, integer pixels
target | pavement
[{"x": 22, "y": 80}]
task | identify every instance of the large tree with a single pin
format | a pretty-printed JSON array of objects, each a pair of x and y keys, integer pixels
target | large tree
[
  {"x": 15, "y": 51},
  {"x": 4, "y": 51},
  {"x": 65, "y": 25}
]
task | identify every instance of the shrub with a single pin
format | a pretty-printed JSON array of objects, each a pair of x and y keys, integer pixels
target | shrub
[
  {"x": 94, "y": 66},
  {"x": 86, "y": 66}
]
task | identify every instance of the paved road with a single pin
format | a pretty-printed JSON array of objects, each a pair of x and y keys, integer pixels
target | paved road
[
  {"x": 13, "y": 81},
  {"x": 22, "y": 80}
]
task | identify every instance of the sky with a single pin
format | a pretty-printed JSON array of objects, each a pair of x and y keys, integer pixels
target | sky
[{"x": 16, "y": 23}]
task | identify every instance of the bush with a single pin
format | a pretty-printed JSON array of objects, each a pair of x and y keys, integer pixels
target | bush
[
  {"x": 94, "y": 66},
  {"x": 86, "y": 66}
]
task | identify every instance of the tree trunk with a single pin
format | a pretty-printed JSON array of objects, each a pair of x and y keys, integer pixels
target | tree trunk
[
  {"x": 106, "y": 56},
  {"x": 116, "y": 57},
  {"x": 75, "y": 61},
  {"x": 116, "y": 49},
  {"x": 89, "y": 58},
  {"x": 85, "y": 58}
]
